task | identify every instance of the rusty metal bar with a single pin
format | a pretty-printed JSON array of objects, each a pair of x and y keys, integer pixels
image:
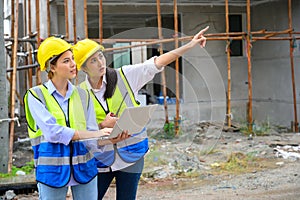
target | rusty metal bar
[
  {"x": 13, "y": 87},
  {"x": 250, "y": 120},
  {"x": 292, "y": 67},
  {"x": 228, "y": 114},
  {"x": 74, "y": 21},
  {"x": 163, "y": 73},
  {"x": 37, "y": 6},
  {"x": 176, "y": 69},
  {"x": 156, "y": 41},
  {"x": 275, "y": 38}
]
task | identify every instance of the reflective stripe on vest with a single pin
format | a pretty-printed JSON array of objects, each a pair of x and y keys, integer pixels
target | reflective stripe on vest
[
  {"x": 55, "y": 160},
  {"x": 131, "y": 149}
]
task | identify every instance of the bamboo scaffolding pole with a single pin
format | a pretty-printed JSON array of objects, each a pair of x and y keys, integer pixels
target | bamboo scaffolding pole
[
  {"x": 228, "y": 114},
  {"x": 292, "y": 67},
  {"x": 66, "y": 19},
  {"x": 266, "y": 36},
  {"x": 100, "y": 21},
  {"x": 163, "y": 73},
  {"x": 85, "y": 19},
  {"x": 12, "y": 33},
  {"x": 37, "y": 6},
  {"x": 250, "y": 120},
  {"x": 176, "y": 69},
  {"x": 156, "y": 41},
  {"x": 74, "y": 21},
  {"x": 48, "y": 19},
  {"x": 275, "y": 38},
  {"x": 13, "y": 87},
  {"x": 210, "y": 36},
  {"x": 29, "y": 72}
]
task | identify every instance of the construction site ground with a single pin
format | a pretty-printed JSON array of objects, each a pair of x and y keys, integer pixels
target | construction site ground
[{"x": 210, "y": 161}]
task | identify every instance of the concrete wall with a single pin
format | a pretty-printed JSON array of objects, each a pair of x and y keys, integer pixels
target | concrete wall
[
  {"x": 272, "y": 83},
  {"x": 205, "y": 70},
  {"x": 271, "y": 71}
]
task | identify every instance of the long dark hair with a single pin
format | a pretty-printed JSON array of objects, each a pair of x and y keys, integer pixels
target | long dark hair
[{"x": 112, "y": 79}]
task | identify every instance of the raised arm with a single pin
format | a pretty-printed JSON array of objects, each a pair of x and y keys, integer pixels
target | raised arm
[{"x": 171, "y": 56}]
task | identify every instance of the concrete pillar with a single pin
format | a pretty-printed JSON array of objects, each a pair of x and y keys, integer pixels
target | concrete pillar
[
  {"x": 43, "y": 19},
  {"x": 21, "y": 75},
  {"x": 80, "y": 19},
  {"x": 4, "y": 136}
]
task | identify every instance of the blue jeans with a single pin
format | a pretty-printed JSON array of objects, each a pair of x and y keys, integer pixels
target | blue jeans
[
  {"x": 79, "y": 192},
  {"x": 126, "y": 181}
]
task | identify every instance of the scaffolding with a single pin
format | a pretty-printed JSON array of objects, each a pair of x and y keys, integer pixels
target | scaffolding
[{"x": 33, "y": 40}]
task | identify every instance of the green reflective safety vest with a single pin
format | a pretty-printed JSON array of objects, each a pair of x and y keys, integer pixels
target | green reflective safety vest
[
  {"x": 55, "y": 162},
  {"x": 131, "y": 149}
]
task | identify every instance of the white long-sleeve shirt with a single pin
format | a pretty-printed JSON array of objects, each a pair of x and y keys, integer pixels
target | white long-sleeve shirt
[{"x": 137, "y": 75}]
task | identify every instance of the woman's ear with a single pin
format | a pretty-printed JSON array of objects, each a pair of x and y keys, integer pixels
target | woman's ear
[{"x": 52, "y": 68}]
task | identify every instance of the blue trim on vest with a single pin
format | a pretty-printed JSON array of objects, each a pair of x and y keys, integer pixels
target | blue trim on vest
[
  {"x": 35, "y": 151},
  {"x": 88, "y": 169},
  {"x": 58, "y": 176},
  {"x": 133, "y": 153},
  {"x": 105, "y": 159},
  {"x": 54, "y": 176}
]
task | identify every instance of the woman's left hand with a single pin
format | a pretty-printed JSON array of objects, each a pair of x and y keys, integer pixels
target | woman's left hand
[{"x": 122, "y": 136}]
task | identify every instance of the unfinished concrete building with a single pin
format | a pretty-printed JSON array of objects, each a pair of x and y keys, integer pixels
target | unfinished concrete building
[{"x": 247, "y": 73}]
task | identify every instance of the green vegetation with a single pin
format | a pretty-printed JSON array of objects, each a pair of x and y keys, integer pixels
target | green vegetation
[
  {"x": 167, "y": 132},
  {"x": 261, "y": 129},
  {"x": 239, "y": 162},
  {"x": 28, "y": 169}
]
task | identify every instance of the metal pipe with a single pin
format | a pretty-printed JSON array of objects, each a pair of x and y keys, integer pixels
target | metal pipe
[
  {"x": 11, "y": 119},
  {"x": 30, "y": 66},
  {"x": 163, "y": 73}
]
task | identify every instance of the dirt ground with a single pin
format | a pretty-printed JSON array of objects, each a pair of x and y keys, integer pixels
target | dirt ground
[{"x": 193, "y": 166}]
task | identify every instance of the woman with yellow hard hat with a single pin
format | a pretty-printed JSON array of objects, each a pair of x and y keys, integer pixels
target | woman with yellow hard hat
[
  {"x": 113, "y": 90},
  {"x": 59, "y": 117}
]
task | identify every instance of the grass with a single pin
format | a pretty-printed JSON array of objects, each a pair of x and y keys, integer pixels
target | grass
[
  {"x": 168, "y": 131},
  {"x": 261, "y": 129},
  {"x": 238, "y": 162},
  {"x": 28, "y": 169}
]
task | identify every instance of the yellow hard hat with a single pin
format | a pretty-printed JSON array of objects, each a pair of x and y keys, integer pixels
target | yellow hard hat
[
  {"x": 84, "y": 49},
  {"x": 49, "y": 48}
]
